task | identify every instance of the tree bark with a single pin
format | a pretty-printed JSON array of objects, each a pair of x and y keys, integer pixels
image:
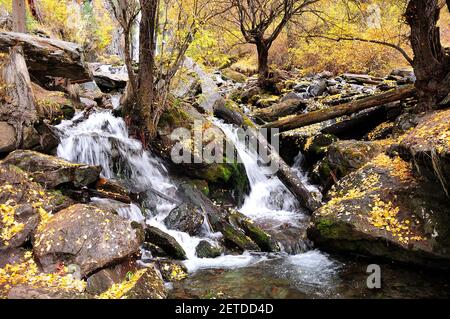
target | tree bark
[
  {"x": 263, "y": 62},
  {"x": 431, "y": 63},
  {"x": 278, "y": 110},
  {"x": 341, "y": 110},
  {"x": 19, "y": 16},
  {"x": 19, "y": 108}
]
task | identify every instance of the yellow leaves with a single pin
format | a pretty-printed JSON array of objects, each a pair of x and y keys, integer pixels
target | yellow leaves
[
  {"x": 385, "y": 216},
  {"x": 10, "y": 227},
  {"x": 117, "y": 291},
  {"x": 27, "y": 273}
]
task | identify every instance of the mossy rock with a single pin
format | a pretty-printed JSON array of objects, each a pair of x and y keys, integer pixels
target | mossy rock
[
  {"x": 234, "y": 76},
  {"x": 205, "y": 249},
  {"x": 384, "y": 210}
]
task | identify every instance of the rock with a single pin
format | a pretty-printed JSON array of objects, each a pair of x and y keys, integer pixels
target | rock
[
  {"x": 249, "y": 93},
  {"x": 86, "y": 236},
  {"x": 228, "y": 111},
  {"x": 109, "y": 78},
  {"x": 7, "y": 138},
  {"x": 205, "y": 249},
  {"x": 360, "y": 78},
  {"x": 234, "y": 75},
  {"x": 53, "y": 105},
  {"x": 344, "y": 157},
  {"x": 166, "y": 242},
  {"x": 217, "y": 218},
  {"x": 52, "y": 171},
  {"x": 428, "y": 146},
  {"x": 104, "y": 279},
  {"x": 302, "y": 87},
  {"x": 317, "y": 88},
  {"x": 29, "y": 292},
  {"x": 106, "y": 188},
  {"x": 144, "y": 284},
  {"x": 384, "y": 210},
  {"x": 186, "y": 218},
  {"x": 12, "y": 256},
  {"x": 17, "y": 223},
  {"x": 171, "y": 270},
  {"x": 211, "y": 163},
  {"x": 291, "y": 96},
  {"x": 316, "y": 146},
  {"x": 260, "y": 237},
  {"x": 16, "y": 188},
  {"x": 406, "y": 75},
  {"x": 48, "y": 57},
  {"x": 266, "y": 101},
  {"x": 404, "y": 123}
]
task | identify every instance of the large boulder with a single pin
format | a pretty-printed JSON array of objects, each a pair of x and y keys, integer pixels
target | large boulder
[
  {"x": 178, "y": 128},
  {"x": 7, "y": 137},
  {"x": 52, "y": 171},
  {"x": 428, "y": 146},
  {"x": 86, "y": 236},
  {"x": 187, "y": 218},
  {"x": 166, "y": 242},
  {"x": 384, "y": 210},
  {"x": 205, "y": 249}
]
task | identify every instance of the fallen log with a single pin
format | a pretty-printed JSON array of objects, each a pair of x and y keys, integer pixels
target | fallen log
[
  {"x": 278, "y": 110},
  {"x": 345, "y": 109},
  {"x": 49, "y": 57},
  {"x": 287, "y": 176}
]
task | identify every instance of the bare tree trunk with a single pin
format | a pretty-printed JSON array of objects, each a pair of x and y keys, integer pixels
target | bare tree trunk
[
  {"x": 263, "y": 63},
  {"x": 19, "y": 16},
  {"x": 431, "y": 62}
]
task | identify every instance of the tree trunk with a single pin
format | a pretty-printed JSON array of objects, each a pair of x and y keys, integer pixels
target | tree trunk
[
  {"x": 431, "y": 63},
  {"x": 19, "y": 16},
  {"x": 263, "y": 63},
  {"x": 19, "y": 108},
  {"x": 341, "y": 110}
]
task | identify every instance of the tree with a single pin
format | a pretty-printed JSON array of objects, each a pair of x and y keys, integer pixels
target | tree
[
  {"x": 431, "y": 60},
  {"x": 261, "y": 22},
  {"x": 19, "y": 16}
]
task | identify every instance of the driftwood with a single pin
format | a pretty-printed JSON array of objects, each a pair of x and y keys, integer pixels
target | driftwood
[
  {"x": 341, "y": 110},
  {"x": 284, "y": 172},
  {"x": 18, "y": 107},
  {"x": 278, "y": 110},
  {"x": 48, "y": 57}
]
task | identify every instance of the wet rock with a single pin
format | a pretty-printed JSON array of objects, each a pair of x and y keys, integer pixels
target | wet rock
[
  {"x": 29, "y": 292},
  {"x": 317, "y": 145},
  {"x": 104, "y": 279},
  {"x": 17, "y": 223},
  {"x": 145, "y": 284},
  {"x": 178, "y": 149},
  {"x": 250, "y": 93},
  {"x": 217, "y": 218},
  {"x": 166, "y": 242},
  {"x": 384, "y": 210},
  {"x": 51, "y": 171},
  {"x": 107, "y": 188},
  {"x": 428, "y": 146},
  {"x": 86, "y": 236},
  {"x": 187, "y": 218},
  {"x": 7, "y": 138},
  {"x": 171, "y": 270},
  {"x": 264, "y": 241},
  {"x": 205, "y": 249}
]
